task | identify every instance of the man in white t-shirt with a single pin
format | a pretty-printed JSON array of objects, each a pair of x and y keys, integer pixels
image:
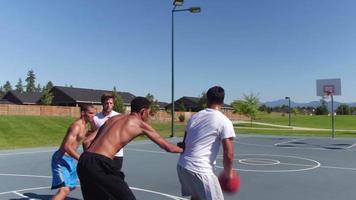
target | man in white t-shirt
[
  {"x": 205, "y": 131},
  {"x": 107, "y": 101}
]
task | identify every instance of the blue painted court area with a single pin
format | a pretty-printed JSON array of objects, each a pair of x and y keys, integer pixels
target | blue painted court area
[{"x": 275, "y": 168}]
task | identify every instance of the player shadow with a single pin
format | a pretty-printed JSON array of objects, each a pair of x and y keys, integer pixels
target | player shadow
[{"x": 40, "y": 197}]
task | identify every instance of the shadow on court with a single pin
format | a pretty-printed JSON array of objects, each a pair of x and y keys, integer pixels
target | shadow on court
[{"x": 39, "y": 197}]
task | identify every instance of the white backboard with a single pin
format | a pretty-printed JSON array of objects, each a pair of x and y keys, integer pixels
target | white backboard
[{"x": 325, "y": 87}]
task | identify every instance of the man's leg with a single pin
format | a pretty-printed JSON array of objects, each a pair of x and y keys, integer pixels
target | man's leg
[{"x": 62, "y": 193}]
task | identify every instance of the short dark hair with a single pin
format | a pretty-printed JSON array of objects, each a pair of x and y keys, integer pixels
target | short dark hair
[
  {"x": 139, "y": 103},
  {"x": 216, "y": 94},
  {"x": 85, "y": 107},
  {"x": 107, "y": 96}
]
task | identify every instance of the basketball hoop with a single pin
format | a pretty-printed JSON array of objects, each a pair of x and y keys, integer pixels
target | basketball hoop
[{"x": 328, "y": 90}]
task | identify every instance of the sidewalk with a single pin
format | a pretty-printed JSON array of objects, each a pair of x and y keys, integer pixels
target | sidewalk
[{"x": 288, "y": 127}]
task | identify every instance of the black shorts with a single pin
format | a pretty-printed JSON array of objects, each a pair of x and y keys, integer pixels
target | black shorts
[
  {"x": 118, "y": 162},
  {"x": 101, "y": 179}
]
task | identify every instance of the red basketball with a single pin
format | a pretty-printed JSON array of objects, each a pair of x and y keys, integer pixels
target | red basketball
[{"x": 232, "y": 185}]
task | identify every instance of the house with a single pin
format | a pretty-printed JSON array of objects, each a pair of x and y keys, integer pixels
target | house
[
  {"x": 162, "y": 105},
  {"x": 191, "y": 104},
  {"x": 70, "y": 96},
  {"x": 22, "y": 98}
]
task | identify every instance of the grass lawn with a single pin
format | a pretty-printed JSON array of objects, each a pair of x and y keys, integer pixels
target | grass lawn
[
  {"x": 38, "y": 131},
  {"x": 315, "y": 121}
]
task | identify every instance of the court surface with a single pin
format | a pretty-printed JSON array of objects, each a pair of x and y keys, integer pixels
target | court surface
[{"x": 271, "y": 168}]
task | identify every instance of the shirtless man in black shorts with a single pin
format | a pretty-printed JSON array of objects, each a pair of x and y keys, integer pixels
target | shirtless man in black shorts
[{"x": 98, "y": 175}]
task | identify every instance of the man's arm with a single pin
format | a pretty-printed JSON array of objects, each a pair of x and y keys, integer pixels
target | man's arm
[
  {"x": 159, "y": 140},
  {"x": 71, "y": 139},
  {"x": 228, "y": 147},
  {"x": 89, "y": 139}
]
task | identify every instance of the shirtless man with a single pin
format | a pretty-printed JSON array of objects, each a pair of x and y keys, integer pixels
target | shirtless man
[
  {"x": 107, "y": 102},
  {"x": 63, "y": 160},
  {"x": 98, "y": 175}
]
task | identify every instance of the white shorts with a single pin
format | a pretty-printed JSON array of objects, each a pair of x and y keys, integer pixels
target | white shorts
[{"x": 204, "y": 186}]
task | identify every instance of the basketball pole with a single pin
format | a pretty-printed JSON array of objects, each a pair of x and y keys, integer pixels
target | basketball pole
[{"x": 332, "y": 116}]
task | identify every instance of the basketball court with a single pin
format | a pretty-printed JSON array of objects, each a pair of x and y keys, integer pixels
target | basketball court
[{"x": 270, "y": 168}]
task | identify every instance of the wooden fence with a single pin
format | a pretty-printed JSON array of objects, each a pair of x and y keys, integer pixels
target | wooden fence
[{"x": 66, "y": 111}]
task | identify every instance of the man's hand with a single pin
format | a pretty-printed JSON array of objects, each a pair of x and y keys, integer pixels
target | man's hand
[{"x": 181, "y": 145}]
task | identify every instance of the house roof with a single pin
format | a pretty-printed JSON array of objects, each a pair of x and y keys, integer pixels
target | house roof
[
  {"x": 83, "y": 95},
  {"x": 4, "y": 101},
  {"x": 162, "y": 104},
  {"x": 24, "y": 97}
]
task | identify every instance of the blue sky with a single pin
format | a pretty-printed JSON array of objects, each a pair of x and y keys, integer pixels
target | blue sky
[{"x": 273, "y": 48}]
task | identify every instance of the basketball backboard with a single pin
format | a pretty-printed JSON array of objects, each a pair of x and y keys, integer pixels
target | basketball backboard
[{"x": 326, "y": 87}]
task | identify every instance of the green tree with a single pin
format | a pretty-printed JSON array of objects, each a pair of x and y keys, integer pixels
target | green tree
[
  {"x": 7, "y": 86},
  {"x": 30, "y": 80},
  {"x": 322, "y": 109},
  {"x": 19, "y": 85},
  {"x": 295, "y": 111},
  {"x": 343, "y": 109},
  {"x": 47, "y": 97},
  {"x": 119, "y": 102},
  {"x": 248, "y": 106},
  {"x": 38, "y": 88},
  {"x": 154, "y": 103},
  {"x": 49, "y": 85},
  {"x": 2, "y": 93},
  {"x": 203, "y": 101}
]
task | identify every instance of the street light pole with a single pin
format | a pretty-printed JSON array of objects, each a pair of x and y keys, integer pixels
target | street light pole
[
  {"x": 289, "y": 111},
  {"x": 192, "y": 10}
]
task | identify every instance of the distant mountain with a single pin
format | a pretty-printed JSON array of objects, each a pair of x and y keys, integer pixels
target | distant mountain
[{"x": 314, "y": 104}]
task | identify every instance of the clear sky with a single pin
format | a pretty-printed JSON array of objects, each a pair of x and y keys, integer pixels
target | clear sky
[{"x": 273, "y": 48}]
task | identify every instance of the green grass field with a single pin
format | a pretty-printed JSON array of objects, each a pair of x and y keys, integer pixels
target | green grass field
[
  {"x": 341, "y": 121},
  {"x": 35, "y": 131}
]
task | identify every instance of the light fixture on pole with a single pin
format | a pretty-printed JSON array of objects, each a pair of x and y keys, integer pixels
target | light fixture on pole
[
  {"x": 192, "y": 10},
  {"x": 289, "y": 111}
]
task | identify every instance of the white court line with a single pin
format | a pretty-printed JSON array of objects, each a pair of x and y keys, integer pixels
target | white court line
[
  {"x": 21, "y": 195},
  {"x": 25, "y": 175},
  {"x": 289, "y": 141},
  {"x": 306, "y": 148},
  {"x": 23, "y": 190},
  {"x": 342, "y": 168},
  {"x": 133, "y": 188},
  {"x": 349, "y": 147},
  {"x": 25, "y": 152},
  {"x": 159, "y": 193}
]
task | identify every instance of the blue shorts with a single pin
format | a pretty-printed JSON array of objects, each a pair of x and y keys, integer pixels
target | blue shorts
[{"x": 64, "y": 171}]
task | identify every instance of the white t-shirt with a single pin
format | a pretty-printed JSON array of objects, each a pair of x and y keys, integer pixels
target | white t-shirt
[
  {"x": 100, "y": 119},
  {"x": 205, "y": 131}
]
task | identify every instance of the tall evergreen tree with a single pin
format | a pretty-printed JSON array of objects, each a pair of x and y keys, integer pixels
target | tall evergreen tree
[
  {"x": 38, "y": 88},
  {"x": 154, "y": 103},
  {"x": 30, "y": 80},
  {"x": 19, "y": 85},
  {"x": 49, "y": 85},
  {"x": 7, "y": 86},
  {"x": 47, "y": 95},
  {"x": 203, "y": 101},
  {"x": 1, "y": 92},
  {"x": 119, "y": 102}
]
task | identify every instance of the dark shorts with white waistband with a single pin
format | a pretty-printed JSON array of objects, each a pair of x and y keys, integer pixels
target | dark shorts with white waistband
[{"x": 101, "y": 179}]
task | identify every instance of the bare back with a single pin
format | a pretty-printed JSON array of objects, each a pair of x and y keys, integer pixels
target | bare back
[{"x": 115, "y": 134}]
